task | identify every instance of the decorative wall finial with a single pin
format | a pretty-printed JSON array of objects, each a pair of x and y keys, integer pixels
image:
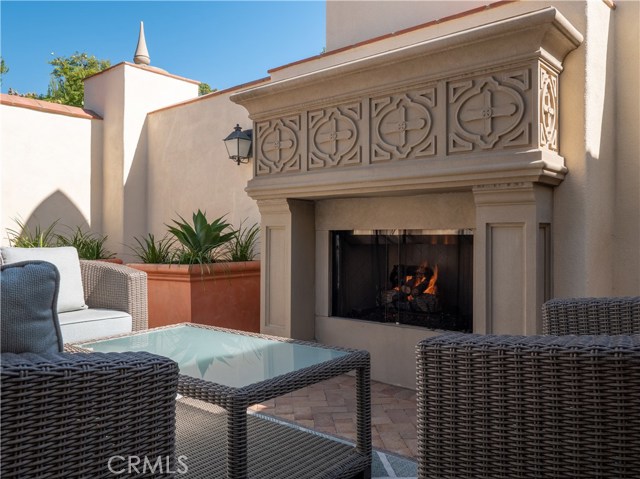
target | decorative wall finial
[{"x": 141, "y": 57}]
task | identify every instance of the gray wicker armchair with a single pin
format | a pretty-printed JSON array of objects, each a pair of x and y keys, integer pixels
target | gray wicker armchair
[
  {"x": 537, "y": 406},
  {"x": 617, "y": 315},
  {"x": 66, "y": 415},
  {"x": 114, "y": 286}
]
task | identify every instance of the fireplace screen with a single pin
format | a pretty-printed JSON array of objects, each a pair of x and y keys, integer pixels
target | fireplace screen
[{"x": 415, "y": 277}]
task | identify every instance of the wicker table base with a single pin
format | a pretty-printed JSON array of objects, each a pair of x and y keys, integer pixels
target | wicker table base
[{"x": 275, "y": 450}]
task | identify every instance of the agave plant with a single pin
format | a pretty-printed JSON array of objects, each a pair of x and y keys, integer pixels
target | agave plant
[
  {"x": 202, "y": 241},
  {"x": 150, "y": 250},
  {"x": 23, "y": 237}
]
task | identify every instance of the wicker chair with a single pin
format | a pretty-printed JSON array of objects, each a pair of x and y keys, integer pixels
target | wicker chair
[
  {"x": 619, "y": 315},
  {"x": 537, "y": 406},
  {"x": 73, "y": 415},
  {"x": 114, "y": 286},
  {"x": 66, "y": 415}
]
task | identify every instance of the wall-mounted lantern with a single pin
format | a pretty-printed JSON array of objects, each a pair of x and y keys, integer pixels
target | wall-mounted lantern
[{"x": 238, "y": 144}]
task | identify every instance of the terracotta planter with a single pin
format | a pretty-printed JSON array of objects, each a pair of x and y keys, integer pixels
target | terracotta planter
[{"x": 227, "y": 296}]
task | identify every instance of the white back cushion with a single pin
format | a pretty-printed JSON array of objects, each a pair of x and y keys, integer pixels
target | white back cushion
[{"x": 71, "y": 296}]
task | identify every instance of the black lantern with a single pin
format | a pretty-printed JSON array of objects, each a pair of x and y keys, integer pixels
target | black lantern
[{"x": 238, "y": 144}]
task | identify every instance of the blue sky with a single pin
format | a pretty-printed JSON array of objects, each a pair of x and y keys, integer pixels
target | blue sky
[{"x": 222, "y": 43}]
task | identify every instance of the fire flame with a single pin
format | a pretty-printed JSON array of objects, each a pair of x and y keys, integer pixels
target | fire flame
[{"x": 432, "y": 288}]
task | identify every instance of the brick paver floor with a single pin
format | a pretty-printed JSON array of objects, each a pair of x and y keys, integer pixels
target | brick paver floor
[{"x": 330, "y": 407}]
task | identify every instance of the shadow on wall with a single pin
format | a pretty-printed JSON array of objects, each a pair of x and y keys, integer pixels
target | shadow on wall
[
  {"x": 97, "y": 176},
  {"x": 135, "y": 196},
  {"x": 56, "y": 206}
]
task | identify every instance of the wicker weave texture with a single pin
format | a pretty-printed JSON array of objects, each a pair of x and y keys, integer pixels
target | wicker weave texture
[
  {"x": 615, "y": 315},
  {"x": 65, "y": 415},
  {"x": 275, "y": 450},
  {"x": 115, "y": 286},
  {"x": 528, "y": 407}
]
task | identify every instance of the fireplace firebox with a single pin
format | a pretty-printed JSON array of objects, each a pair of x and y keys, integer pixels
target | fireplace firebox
[{"x": 414, "y": 277}]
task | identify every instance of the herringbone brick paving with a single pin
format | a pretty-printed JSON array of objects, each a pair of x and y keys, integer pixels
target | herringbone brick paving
[{"x": 330, "y": 407}]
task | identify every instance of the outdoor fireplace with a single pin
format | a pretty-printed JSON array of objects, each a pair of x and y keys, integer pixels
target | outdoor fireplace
[
  {"x": 413, "y": 277},
  {"x": 453, "y": 130}
]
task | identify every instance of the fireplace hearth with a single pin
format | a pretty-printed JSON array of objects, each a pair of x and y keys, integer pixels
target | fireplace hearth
[{"x": 412, "y": 277}]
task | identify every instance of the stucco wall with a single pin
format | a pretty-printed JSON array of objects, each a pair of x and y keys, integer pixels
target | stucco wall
[
  {"x": 50, "y": 169},
  {"x": 124, "y": 95},
  {"x": 350, "y": 22},
  {"x": 104, "y": 94},
  {"x": 596, "y": 219},
  {"x": 189, "y": 168},
  {"x": 626, "y": 237}
]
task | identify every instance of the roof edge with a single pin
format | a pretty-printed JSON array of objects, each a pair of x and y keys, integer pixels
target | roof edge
[
  {"x": 48, "y": 107},
  {"x": 145, "y": 68}
]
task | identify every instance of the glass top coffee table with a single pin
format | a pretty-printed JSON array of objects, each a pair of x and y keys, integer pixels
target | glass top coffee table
[{"x": 234, "y": 370}]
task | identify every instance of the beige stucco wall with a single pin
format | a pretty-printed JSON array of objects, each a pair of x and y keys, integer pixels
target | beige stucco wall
[
  {"x": 104, "y": 94},
  {"x": 344, "y": 22},
  {"x": 50, "y": 170},
  {"x": 596, "y": 208},
  {"x": 189, "y": 168},
  {"x": 123, "y": 96},
  {"x": 350, "y": 22},
  {"x": 626, "y": 237}
]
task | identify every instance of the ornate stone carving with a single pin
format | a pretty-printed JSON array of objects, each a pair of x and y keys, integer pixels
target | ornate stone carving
[
  {"x": 401, "y": 126},
  {"x": 488, "y": 112},
  {"x": 483, "y": 113},
  {"x": 548, "y": 114},
  {"x": 277, "y": 145},
  {"x": 334, "y": 136}
]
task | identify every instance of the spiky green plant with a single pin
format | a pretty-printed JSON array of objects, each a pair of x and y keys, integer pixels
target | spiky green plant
[
  {"x": 243, "y": 245},
  {"x": 202, "y": 241},
  {"x": 150, "y": 250},
  {"x": 23, "y": 237},
  {"x": 89, "y": 245}
]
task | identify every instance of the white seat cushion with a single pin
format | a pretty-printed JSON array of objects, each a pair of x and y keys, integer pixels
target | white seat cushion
[
  {"x": 78, "y": 326},
  {"x": 71, "y": 294}
]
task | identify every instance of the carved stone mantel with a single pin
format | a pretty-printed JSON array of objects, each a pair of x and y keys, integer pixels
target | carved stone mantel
[{"x": 476, "y": 107}]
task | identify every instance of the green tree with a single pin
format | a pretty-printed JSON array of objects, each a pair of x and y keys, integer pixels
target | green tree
[
  {"x": 66, "y": 85},
  {"x": 205, "y": 88},
  {"x": 3, "y": 68}
]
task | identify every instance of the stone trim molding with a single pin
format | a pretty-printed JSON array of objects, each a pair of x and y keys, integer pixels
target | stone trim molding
[{"x": 479, "y": 106}]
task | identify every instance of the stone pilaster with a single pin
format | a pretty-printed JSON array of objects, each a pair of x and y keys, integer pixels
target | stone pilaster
[
  {"x": 512, "y": 257},
  {"x": 288, "y": 268}
]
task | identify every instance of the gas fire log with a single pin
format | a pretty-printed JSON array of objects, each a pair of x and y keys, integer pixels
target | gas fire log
[
  {"x": 427, "y": 303},
  {"x": 418, "y": 291}
]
